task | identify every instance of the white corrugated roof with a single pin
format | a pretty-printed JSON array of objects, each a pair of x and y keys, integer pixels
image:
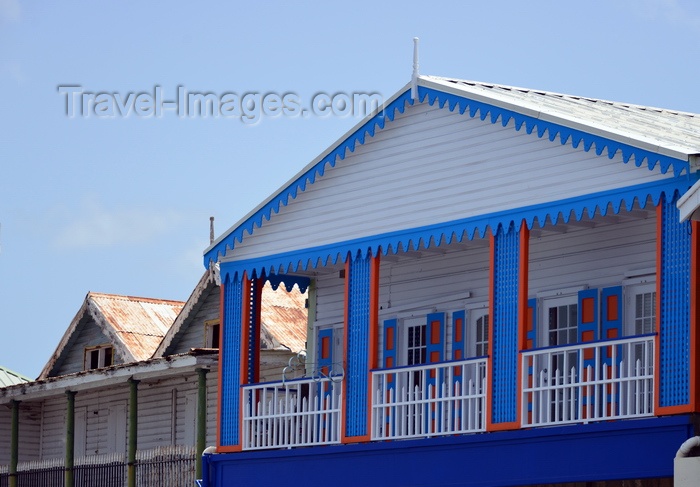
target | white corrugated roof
[
  {"x": 672, "y": 130},
  {"x": 9, "y": 377}
]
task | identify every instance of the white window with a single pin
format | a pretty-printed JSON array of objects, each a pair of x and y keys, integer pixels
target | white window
[
  {"x": 478, "y": 333},
  {"x": 211, "y": 334},
  {"x": 414, "y": 340},
  {"x": 98, "y": 357},
  {"x": 559, "y": 323},
  {"x": 640, "y": 308}
]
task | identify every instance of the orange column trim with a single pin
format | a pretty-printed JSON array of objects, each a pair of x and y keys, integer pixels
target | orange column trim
[
  {"x": 346, "y": 321},
  {"x": 373, "y": 335},
  {"x": 245, "y": 344},
  {"x": 221, "y": 361},
  {"x": 694, "y": 315},
  {"x": 523, "y": 311},
  {"x": 658, "y": 409}
]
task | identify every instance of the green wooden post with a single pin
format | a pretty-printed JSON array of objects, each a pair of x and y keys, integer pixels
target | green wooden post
[
  {"x": 201, "y": 419},
  {"x": 14, "y": 444},
  {"x": 70, "y": 440},
  {"x": 133, "y": 430}
]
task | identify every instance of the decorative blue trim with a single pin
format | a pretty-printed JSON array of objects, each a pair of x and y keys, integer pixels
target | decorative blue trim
[
  {"x": 608, "y": 325},
  {"x": 358, "y": 343},
  {"x": 504, "y": 325},
  {"x": 231, "y": 360},
  {"x": 458, "y": 345},
  {"x": 566, "y": 135},
  {"x": 456, "y": 231},
  {"x": 289, "y": 281},
  {"x": 674, "y": 332},
  {"x": 309, "y": 177},
  {"x": 590, "y": 326}
]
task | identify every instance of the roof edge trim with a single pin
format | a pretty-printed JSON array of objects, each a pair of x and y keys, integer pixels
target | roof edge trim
[
  {"x": 435, "y": 92},
  {"x": 304, "y": 260}
]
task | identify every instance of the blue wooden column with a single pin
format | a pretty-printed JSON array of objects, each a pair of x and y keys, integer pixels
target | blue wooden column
[
  {"x": 230, "y": 361},
  {"x": 503, "y": 390},
  {"x": 360, "y": 343},
  {"x": 673, "y": 287}
]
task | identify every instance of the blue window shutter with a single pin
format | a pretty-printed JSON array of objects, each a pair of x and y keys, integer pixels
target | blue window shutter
[
  {"x": 611, "y": 319},
  {"x": 588, "y": 315},
  {"x": 458, "y": 338},
  {"x": 325, "y": 351},
  {"x": 389, "y": 355},
  {"x": 436, "y": 338},
  {"x": 531, "y": 324}
]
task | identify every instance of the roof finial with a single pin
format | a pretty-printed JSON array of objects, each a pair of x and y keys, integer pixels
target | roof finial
[
  {"x": 414, "y": 78},
  {"x": 211, "y": 230}
]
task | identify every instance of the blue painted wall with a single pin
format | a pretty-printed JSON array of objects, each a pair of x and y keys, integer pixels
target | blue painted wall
[{"x": 602, "y": 451}]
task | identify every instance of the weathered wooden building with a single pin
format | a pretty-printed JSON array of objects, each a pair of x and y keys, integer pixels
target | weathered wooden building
[
  {"x": 133, "y": 380},
  {"x": 501, "y": 289}
]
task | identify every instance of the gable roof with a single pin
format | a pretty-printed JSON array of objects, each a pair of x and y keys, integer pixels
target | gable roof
[
  {"x": 283, "y": 319},
  {"x": 134, "y": 325},
  {"x": 189, "y": 309},
  {"x": 662, "y": 140},
  {"x": 283, "y": 316},
  {"x": 9, "y": 377}
]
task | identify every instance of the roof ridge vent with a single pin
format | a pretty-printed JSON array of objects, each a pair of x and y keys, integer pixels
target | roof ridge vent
[{"x": 414, "y": 77}]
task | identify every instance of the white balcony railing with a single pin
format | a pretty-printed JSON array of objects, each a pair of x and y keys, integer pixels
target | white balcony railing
[
  {"x": 300, "y": 412},
  {"x": 581, "y": 383},
  {"x": 429, "y": 400}
]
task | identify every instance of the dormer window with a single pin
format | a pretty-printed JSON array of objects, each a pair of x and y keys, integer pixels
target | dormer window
[
  {"x": 211, "y": 334},
  {"x": 98, "y": 357}
]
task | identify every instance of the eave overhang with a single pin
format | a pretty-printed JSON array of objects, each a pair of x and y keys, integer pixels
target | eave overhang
[
  {"x": 495, "y": 109},
  {"x": 174, "y": 365}
]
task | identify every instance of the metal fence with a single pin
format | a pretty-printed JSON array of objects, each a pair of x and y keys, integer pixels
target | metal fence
[{"x": 172, "y": 466}]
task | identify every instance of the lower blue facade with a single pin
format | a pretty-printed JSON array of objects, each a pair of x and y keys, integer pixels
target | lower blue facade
[{"x": 633, "y": 449}]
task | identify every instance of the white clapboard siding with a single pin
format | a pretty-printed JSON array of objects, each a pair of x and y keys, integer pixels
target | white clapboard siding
[
  {"x": 212, "y": 401},
  {"x": 194, "y": 335},
  {"x": 565, "y": 260},
  {"x": 430, "y": 166},
  {"x": 54, "y": 428},
  {"x": 5, "y": 431},
  {"x": 99, "y": 406},
  {"x": 330, "y": 299},
  {"x": 29, "y": 431},
  {"x": 160, "y": 419},
  {"x": 88, "y": 335}
]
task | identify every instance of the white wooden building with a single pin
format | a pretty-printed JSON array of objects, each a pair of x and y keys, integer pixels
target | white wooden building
[
  {"x": 499, "y": 278},
  {"x": 158, "y": 357}
]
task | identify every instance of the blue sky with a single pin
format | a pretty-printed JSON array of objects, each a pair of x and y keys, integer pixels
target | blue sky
[{"x": 121, "y": 204}]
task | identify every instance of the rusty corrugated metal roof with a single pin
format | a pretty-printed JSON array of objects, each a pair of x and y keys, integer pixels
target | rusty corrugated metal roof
[
  {"x": 283, "y": 315},
  {"x": 141, "y": 323}
]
